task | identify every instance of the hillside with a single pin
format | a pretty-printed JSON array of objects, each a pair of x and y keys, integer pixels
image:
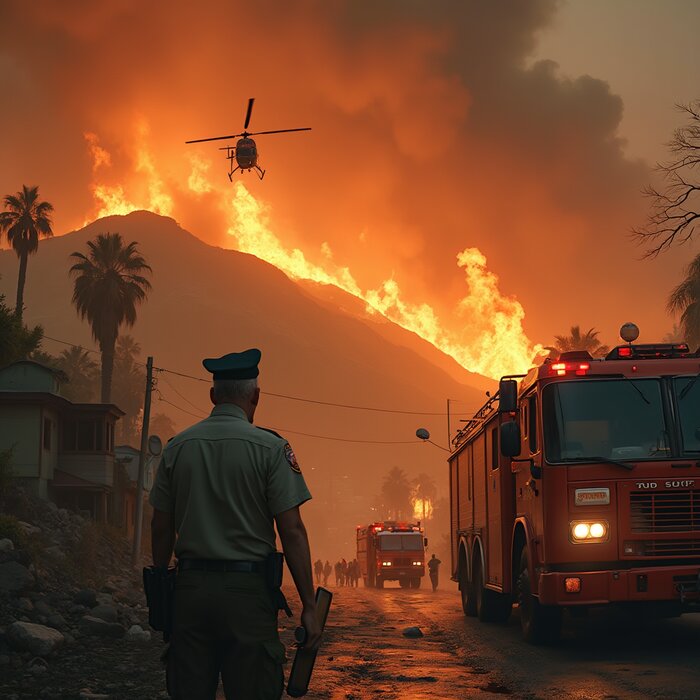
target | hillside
[{"x": 207, "y": 301}]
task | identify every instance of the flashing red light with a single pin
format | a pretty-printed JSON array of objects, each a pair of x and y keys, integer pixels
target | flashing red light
[
  {"x": 624, "y": 352},
  {"x": 563, "y": 368}
]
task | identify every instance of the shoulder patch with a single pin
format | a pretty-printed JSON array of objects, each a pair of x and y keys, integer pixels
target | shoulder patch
[{"x": 291, "y": 458}]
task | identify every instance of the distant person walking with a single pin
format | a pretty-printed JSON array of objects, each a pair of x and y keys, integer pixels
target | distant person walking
[
  {"x": 327, "y": 569},
  {"x": 434, "y": 569},
  {"x": 318, "y": 570},
  {"x": 344, "y": 572},
  {"x": 338, "y": 574}
]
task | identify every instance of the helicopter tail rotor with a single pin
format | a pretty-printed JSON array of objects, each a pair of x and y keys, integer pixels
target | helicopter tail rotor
[{"x": 248, "y": 113}]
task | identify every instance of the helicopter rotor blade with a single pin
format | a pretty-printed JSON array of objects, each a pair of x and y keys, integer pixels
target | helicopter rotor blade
[
  {"x": 215, "y": 138},
  {"x": 248, "y": 113},
  {"x": 279, "y": 131}
]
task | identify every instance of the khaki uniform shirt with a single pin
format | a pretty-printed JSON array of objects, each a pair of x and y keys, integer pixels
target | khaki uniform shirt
[{"x": 224, "y": 480}]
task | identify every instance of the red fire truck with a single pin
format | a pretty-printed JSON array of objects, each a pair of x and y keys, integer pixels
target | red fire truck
[
  {"x": 578, "y": 486},
  {"x": 391, "y": 551}
]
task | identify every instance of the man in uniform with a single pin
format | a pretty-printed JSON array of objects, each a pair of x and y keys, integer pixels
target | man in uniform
[
  {"x": 434, "y": 570},
  {"x": 220, "y": 485}
]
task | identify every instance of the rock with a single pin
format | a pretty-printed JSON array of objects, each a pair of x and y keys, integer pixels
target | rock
[
  {"x": 87, "y": 694},
  {"x": 37, "y": 639},
  {"x": 43, "y": 608},
  {"x": 55, "y": 552},
  {"x": 86, "y": 597},
  {"x": 101, "y": 628},
  {"x": 14, "y": 576},
  {"x": 28, "y": 529},
  {"x": 4, "y": 660},
  {"x": 104, "y": 599},
  {"x": 76, "y": 609},
  {"x": 6, "y": 545},
  {"x": 37, "y": 666},
  {"x": 57, "y": 621},
  {"x": 108, "y": 613},
  {"x": 25, "y": 605},
  {"x": 412, "y": 632},
  {"x": 137, "y": 634}
]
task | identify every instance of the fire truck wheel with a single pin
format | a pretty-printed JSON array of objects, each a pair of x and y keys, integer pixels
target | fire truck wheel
[
  {"x": 466, "y": 589},
  {"x": 405, "y": 583},
  {"x": 415, "y": 582},
  {"x": 540, "y": 623},
  {"x": 490, "y": 606}
]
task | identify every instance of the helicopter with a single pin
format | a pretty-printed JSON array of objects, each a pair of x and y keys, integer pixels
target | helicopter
[{"x": 245, "y": 152}]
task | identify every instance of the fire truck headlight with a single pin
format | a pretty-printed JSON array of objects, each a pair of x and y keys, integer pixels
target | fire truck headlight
[
  {"x": 417, "y": 563},
  {"x": 587, "y": 531},
  {"x": 386, "y": 563}
]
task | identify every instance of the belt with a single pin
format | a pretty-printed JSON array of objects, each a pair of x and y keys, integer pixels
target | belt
[{"x": 224, "y": 565}]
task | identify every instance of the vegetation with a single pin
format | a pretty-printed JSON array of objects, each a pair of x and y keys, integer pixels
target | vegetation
[
  {"x": 685, "y": 300},
  {"x": 25, "y": 219},
  {"x": 16, "y": 340},
  {"x": 10, "y": 529},
  {"x": 129, "y": 387},
  {"x": 675, "y": 206},
  {"x": 81, "y": 373},
  {"x": 424, "y": 494},
  {"x": 162, "y": 426},
  {"x": 109, "y": 284},
  {"x": 396, "y": 494},
  {"x": 578, "y": 341}
]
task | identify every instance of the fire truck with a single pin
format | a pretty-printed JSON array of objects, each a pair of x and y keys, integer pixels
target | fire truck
[
  {"x": 391, "y": 551},
  {"x": 578, "y": 485}
]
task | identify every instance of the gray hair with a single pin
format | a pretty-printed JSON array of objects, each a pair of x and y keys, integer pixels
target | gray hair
[{"x": 235, "y": 389}]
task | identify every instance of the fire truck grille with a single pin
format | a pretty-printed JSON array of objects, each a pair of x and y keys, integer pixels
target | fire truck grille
[
  {"x": 666, "y": 511},
  {"x": 670, "y": 548}
]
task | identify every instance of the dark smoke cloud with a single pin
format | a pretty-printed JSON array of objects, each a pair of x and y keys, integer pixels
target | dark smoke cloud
[{"x": 432, "y": 133}]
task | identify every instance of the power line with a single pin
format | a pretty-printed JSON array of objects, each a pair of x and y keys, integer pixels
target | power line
[{"x": 288, "y": 397}]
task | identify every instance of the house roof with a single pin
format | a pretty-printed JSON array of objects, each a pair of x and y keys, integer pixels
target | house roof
[
  {"x": 59, "y": 374},
  {"x": 58, "y": 402}
]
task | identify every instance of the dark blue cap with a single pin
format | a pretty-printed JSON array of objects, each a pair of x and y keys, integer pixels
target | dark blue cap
[{"x": 235, "y": 365}]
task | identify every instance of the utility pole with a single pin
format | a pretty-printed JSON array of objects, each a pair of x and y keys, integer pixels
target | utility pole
[
  {"x": 138, "y": 526},
  {"x": 449, "y": 431}
]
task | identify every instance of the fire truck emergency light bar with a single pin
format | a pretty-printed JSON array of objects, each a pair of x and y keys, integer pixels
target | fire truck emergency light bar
[{"x": 648, "y": 352}]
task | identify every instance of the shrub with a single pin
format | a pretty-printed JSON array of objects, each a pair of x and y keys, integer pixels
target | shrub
[{"x": 10, "y": 529}]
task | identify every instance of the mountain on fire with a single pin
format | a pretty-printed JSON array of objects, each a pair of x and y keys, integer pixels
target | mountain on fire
[{"x": 207, "y": 301}]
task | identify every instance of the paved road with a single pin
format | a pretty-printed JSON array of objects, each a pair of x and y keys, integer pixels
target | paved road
[{"x": 608, "y": 655}]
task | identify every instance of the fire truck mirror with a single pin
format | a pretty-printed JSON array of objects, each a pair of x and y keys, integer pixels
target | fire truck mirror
[
  {"x": 507, "y": 396},
  {"x": 510, "y": 438},
  {"x": 425, "y": 541}
]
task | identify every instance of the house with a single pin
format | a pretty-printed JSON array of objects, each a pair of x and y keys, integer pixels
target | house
[{"x": 61, "y": 450}]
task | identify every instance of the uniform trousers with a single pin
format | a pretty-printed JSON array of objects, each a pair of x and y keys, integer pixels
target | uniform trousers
[{"x": 224, "y": 623}]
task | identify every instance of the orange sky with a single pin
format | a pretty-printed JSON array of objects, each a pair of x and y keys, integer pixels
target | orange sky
[{"x": 437, "y": 129}]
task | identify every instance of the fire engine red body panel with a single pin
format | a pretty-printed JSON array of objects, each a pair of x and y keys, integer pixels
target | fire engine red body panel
[{"x": 609, "y": 445}]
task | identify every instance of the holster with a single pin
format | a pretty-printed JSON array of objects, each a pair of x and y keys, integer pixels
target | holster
[
  {"x": 159, "y": 586},
  {"x": 274, "y": 570}
]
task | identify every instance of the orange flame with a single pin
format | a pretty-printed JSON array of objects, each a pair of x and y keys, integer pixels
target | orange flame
[
  {"x": 490, "y": 339},
  {"x": 422, "y": 509}
]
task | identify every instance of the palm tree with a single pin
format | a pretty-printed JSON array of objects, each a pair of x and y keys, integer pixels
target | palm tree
[
  {"x": 685, "y": 299},
  {"x": 25, "y": 219},
  {"x": 396, "y": 493},
  {"x": 81, "y": 371},
  {"x": 109, "y": 283},
  {"x": 578, "y": 341}
]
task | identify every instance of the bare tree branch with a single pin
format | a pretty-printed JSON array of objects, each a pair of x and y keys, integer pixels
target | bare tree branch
[{"x": 674, "y": 212}]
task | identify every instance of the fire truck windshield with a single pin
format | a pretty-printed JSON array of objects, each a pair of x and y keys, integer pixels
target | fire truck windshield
[
  {"x": 688, "y": 393},
  {"x": 390, "y": 541},
  {"x": 618, "y": 419}
]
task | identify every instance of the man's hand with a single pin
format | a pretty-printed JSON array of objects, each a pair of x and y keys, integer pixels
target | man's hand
[{"x": 309, "y": 621}]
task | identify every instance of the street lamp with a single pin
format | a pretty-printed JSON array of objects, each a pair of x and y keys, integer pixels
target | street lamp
[{"x": 424, "y": 434}]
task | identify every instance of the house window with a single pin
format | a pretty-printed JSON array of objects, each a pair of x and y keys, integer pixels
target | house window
[
  {"x": 47, "y": 433},
  {"x": 86, "y": 435},
  {"x": 69, "y": 431}
]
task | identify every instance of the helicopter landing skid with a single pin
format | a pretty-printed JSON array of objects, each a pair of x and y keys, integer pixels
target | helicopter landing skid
[
  {"x": 230, "y": 175},
  {"x": 261, "y": 173}
]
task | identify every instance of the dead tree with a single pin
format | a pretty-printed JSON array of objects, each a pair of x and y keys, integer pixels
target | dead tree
[{"x": 675, "y": 208}]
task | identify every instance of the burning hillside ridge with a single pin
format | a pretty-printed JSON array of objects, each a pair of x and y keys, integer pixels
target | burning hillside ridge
[{"x": 484, "y": 332}]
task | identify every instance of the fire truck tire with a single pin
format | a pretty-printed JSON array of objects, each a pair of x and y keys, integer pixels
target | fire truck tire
[
  {"x": 380, "y": 582},
  {"x": 541, "y": 624},
  {"x": 490, "y": 606},
  {"x": 415, "y": 582},
  {"x": 405, "y": 583},
  {"x": 466, "y": 589}
]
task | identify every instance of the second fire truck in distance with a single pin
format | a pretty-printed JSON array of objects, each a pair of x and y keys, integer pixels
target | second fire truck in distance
[
  {"x": 391, "y": 551},
  {"x": 579, "y": 486}
]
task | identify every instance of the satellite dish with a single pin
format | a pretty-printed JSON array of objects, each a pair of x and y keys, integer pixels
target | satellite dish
[
  {"x": 155, "y": 445},
  {"x": 423, "y": 434},
  {"x": 629, "y": 332}
]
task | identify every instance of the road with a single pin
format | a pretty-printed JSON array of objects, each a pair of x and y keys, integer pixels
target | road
[{"x": 607, "y": 655}]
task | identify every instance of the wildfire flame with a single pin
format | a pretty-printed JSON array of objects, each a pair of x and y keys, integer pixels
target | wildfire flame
[
  {"x": 422, "y": 509},
  {"x": 491, "y": 343}
]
